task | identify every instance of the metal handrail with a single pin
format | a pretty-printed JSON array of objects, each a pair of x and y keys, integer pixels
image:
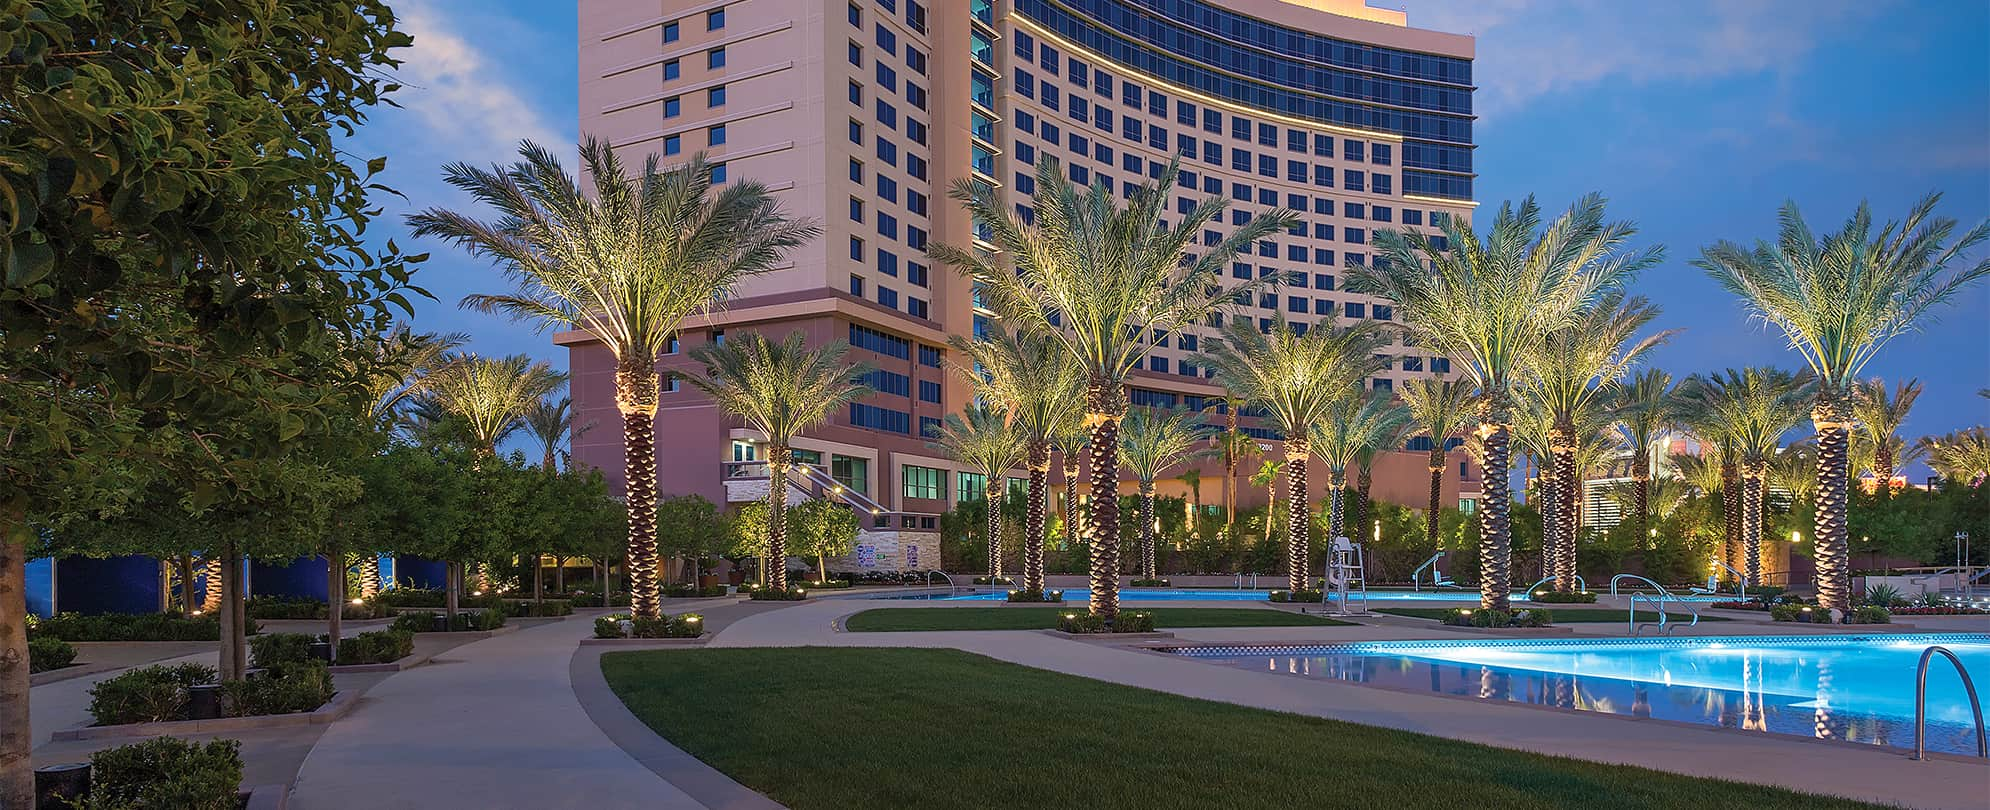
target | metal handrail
[
  {"x": 1921, "y": 702},
  {"x": 1631, "y": 622},
  {"x": 1579, "y": 583},
  {"x": 1740, "y": 582},
  {"x": 1416, "y": 577},
  {"x": 951, "y": 587}
]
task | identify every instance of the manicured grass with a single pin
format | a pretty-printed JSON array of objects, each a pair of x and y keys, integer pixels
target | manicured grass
[
  {"x": 887, "y": 620},
  {"x": 835, "y": 728},
  {"x": 1562, "y": 614}
]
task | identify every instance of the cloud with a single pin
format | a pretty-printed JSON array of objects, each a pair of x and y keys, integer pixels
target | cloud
[
  {"x": 1529, "y": 50},
  {"x": 462, "y": 97}
]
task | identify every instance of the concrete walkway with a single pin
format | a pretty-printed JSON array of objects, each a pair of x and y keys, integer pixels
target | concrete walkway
[
  {"x": 493, "y": 723},
  {"x": 1870, "y": 774}
]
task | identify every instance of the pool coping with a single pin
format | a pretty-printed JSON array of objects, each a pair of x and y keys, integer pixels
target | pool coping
[{"x": 1170, "y": 650}]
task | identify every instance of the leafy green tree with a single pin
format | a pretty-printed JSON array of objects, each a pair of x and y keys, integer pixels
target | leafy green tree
[
  {"x": 823, "y": 529},
  {"x": 625, "y": 261},
  {"x": 689, "y": 526},
  {"x": 1104, "y": 279},
  {"x": 1840, "y": 299},
  {"x": 1485, "y": 302}
]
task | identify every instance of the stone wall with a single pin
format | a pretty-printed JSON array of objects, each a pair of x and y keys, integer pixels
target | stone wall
[{"x": 890, "y": 550}]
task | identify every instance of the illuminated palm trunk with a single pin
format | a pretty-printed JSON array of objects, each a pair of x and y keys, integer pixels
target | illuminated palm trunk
[
  {"x": 1296, "y": 553},
  {"x": 211, "y": 597},
  {"x": 1073, "y": 519},
  {"x": 989, "y": 491},
  {"x": 1336, "y": 504},
  {"x": 1147, "y": 530},
  {"x": 1230, "y": 461},
  {"x": 1567, "y": 489},
  {"x": 369, "y": 576},
  {"x": 1033, "y": 519},
  {"x": 1436, "y": 493},
  {"x": 1641, "y": 494},
  {"x": 1731, "y": 511},
  {"x": 1550, "y": 506},
  {"x": 635, "y": 397},
  {"x": 1834, "y": 574},
  {"x": 1105, "y": 403},
  {"x": 1362, "y": 517},
  {"x": 778, "y": 458},
  {"x": 1752, "y": 473},
  {"x": 1496, "y": 524},
  {"x": 1883, "y": 469}
]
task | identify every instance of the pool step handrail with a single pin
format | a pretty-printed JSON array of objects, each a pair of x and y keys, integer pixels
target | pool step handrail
[
  {"x": 1921, "y": 702},
  {"x": 1437, "y": 578},
  {"x": 1740, "y": 582},
  {"x": 952, "y": 588},
  {"x": 1580, "y": 584},
  {"x": 1664, "y": 596}
]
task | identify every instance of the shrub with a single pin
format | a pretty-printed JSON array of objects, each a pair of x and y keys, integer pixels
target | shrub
[
  {"x": 1082, "y": 623},
  {"x": 685, "y": 625},
  {"x": 284, "y": 607},
  {"x": 644, "y": 627},
  {"x": 131, "y": 627},
  {"x": 1036, "y": 596},
  {"x": 1884, "y": 596},
  {"x": 1733, "y": 605},
  {"x": 688, "y": 590},
  {"x": 1133, "y": 621},
  {"x": 166, "y": 772},
  {"x": 1148, "y": 583},
  {"x": 1799, "y": 613},
  {"x": 486, "y": 619},
  {"x": 1938, "y": 610},
  {"x": 1767, "y": 594},
  {"x": 270, "y": 649},
  {"x": 146, "y": 694},
  {"x": 777, "y": 595},
  {"x": 419, "y": 621},
  {"x": 1869, "y": 614},
  {"x": 1296, "y": 596},
  {"x": 994, "y": 581},
  {"x": 550, "y": 607},
  {"x": 1128, "y": 621},
  {"x": 820, "y": 584},
  {"x": 283, "y": 689},
  {"x": 425, "y": 598},
  {"x": 1563, "y": 597},
  {"x": 1494, "y": 618},
  {"x": 609, "y": 626},
  {"x": 45, "y": 654},
  {"x": 377, "y": 647}
]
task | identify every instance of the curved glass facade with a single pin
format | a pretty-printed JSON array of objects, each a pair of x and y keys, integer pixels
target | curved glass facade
[{"x": 1421, "y": 97}]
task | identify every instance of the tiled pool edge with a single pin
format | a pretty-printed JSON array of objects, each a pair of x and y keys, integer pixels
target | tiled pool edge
[{"x": 1226, "y": 650}]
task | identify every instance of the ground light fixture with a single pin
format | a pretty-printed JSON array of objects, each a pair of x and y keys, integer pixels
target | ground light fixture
[{"x": 359, "y": 601}]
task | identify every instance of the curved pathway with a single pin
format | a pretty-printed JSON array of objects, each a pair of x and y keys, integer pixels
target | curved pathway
[{"x": 493, "y": 723}]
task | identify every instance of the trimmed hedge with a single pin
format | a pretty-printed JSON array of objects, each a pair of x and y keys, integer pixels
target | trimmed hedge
[
  {"x": 682, "y": 625},
  {"x": 423, "y": 621},
  {"x": 284, "y": 688},
  {"x": 776, "y": 595},
  {"x": 994, "y": 581},
  {"x": 146, "y": 694},
  {"x": 377, "y": 647},
  {"x": 1563, "y": 597},
  {"x": 131, "y": 627},
  {"x": 1128, "y": 621},
  {"x": 1148, "y": 583},
  {"x": 271, "y": 649},
  {"x": 820, "y": 585},
  {"x": 1036, "y": 596},
  {"x": 687, "y": 590},
  {"x": 426, "y": 598},
  {"x": 1296, "y": 596},
  {"x": 530, "y": 609},
  {"x": 1492, "y": 617},
  {"x": 166, "y": 772},
  {"x": 45, "y": 654}
]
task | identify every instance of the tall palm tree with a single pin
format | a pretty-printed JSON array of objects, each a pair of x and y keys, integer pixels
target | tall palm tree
[
  {"x": 1030, "y": 376},
  {"x": 1572, "y": 375},
  {"x": 1879, "y": 419},
  {"x": 1530, "y": 434},
  {"x": 1644, "y": 409},
  {"x": 625, "y": 261},
  {"x": 1386, "y": 437},
  {"x": 1151, "y": 440},
  {"x": 1070, "y": 450},
  {"x": 492, "y": 394},
  {"x": 1795, "y": 471},
  {"x": 1296, "y": 379},
  {"x": 1839, "y": 300},
  {"x": 1756, "y": 406},
  {"x": 1268, "y": 475},
  {"x": 407, "y": 359},
  {"x": 1236, "y": 446},
  {"x": 982, "y": 438},
  {"x": 1104, "y": 279},
  {"x": 1349, "y": 425},
  {"x": 1192, "y": 479},
  {"x": 552, "y": 423},
  {"x": 1439, "y": 410},
  {"x": 780, "y": 390},
  {"x": 1961, "y": 457},
  {"x": 1484, "y": 302}
]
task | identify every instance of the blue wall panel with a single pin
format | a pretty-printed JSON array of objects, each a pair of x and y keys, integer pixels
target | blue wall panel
[
  {"x": 303, "y": 577},
  {"x": 128, "y": 584},
  {"x": 41, "y": 586},
  {"x": 419, "y": 572}
]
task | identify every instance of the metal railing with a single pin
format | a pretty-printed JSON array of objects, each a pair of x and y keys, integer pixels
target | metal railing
[
  {"x": 952, "y": 589},
  {"x": 1664, "y": 596},
  {"x": 1580, "y": 585},
  {"x": 1740, "y": 582},
  {"x": 816, "y": 482},
  {"x": 1921, "y": 702},
  {"x": 1437, "y": 579}
]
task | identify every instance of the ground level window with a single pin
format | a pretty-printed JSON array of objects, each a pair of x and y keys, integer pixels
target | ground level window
[{"x": 925, "y": 482}]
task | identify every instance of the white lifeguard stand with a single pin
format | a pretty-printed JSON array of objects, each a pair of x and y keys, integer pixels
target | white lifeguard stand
[{"x": 1347, "y": 579}]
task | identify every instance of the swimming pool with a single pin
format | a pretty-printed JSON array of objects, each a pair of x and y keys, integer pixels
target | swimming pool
[
  {"x": 1230, "y": 595},
  {"x": 1852, "y": 688}
]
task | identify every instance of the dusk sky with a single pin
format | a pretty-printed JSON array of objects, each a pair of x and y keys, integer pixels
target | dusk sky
[{"x": 1696, "y": 118}]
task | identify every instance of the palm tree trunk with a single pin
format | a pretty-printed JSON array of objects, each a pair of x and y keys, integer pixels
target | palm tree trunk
[
  {"x": 1436, "y": 494},
  {"x": 17, "y": 779},
  {"x": 1105, "y": 403},
  {"x": 369, "y": 575},
  {"x": 1147, "y": 530},
  {"x": 1074, "y": 520},
  {"x": 1297, "y": 447},
  {"x": 988, "y": 493},
  {"x": 334, "y": 599},
  {"x": 1496, "y": 524},
  {"x": 1549, "y": 507},
  {"x": 1230, "y": 461},
  {"x": 1731, "y": 510},
  {"x": 635, "y": 396},
  {"x": 210, "y": 598},
  {"x": 1833, "y": 549},
  {"x": 778, "y": 457},
  {"x": 1567, "y": 490},
  {"x": 1641, "y": 494},
  {"x": 1751, "y": 518},
  {"x": 1362, "y": 481},
  {"x": 1883, "y": 468},
  {"x": 1033, "y": 518}
]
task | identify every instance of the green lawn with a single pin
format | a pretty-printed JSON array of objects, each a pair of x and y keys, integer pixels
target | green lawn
[
  {"x": 835, "y": 728},
  {"x": 1043, "y": 618},
  {"x": 1562, "y": 614}
]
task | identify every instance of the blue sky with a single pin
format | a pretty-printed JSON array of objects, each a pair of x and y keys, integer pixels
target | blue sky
[{"x": 1696, "y": 118}]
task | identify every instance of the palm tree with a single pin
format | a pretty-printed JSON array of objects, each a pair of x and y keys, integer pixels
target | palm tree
[
  {"x": 1103, "y": 279},
  {"x": 1387, "y": 438},
  {"x": 1236, "y": 446},
  {"x": 1644, "y": 409},
  {"x": 1879, "y": 417},
  {"x": 409, "y": 358},
  {"x": 1070, "y": 450},
  {"x": 1192, "y": 479},
  {"x": 626, "y": 262},
  {"x": 1530, "y": 434},
  {"x": 1350, "y": 425},
  {"x": 1439, "y": 410},
  {"x": 1839, "y": 300},
  {"x": 1296, "y": 379},
  {"x": 1572, "y": 375},
  {"x": 1484, "y": 303},
  {"x": 982, "y": 438},
  {"x": 551, "y": 422},
  {"x": 1961, "y": 457},
  {"x": 1795, "y": 471},
  {"x": 1267, "y": 476},
  {"x": 780, "y": 390},
  {"x": 1150, "y": 441},
  {"x": 1756, "y": 406},
  {"x": 1029, "y": 375},
  {"x": 492, "y": 395}
]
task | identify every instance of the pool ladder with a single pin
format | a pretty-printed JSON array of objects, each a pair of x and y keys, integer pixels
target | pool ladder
[
  {"x": 1664, "y": 627},
  {"x": 1921, "y": 702}
]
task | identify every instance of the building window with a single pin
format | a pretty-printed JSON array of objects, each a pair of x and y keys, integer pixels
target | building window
[
  {"x": 854, "y": 473},
  {"x": 669, "y": 32},
  {"x": 973, "y": 486},
  {"x": 672, "y": 106},
  {"x": 672, "y": 69},
  {"x": 672, "y": 144},
  {"x": 715, "y": 97},
  {"x": 916, "y": 307},
  {"x": 716, "y": 136},
  {"x": 715, "y": 20},
  {"x": 856, "y": 285},
  {"x": 876, "y": 418},
  {"x": 924, "y": 482},
  {"x": 929, "y": 391},
  {"x": 929, "y": 356},
  {"x": 715, "y": 59}
]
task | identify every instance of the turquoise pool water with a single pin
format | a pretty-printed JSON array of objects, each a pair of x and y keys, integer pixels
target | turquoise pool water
[
  {"x": 1852, "y": 688},
  {"x": 1235, "y": 595}
]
